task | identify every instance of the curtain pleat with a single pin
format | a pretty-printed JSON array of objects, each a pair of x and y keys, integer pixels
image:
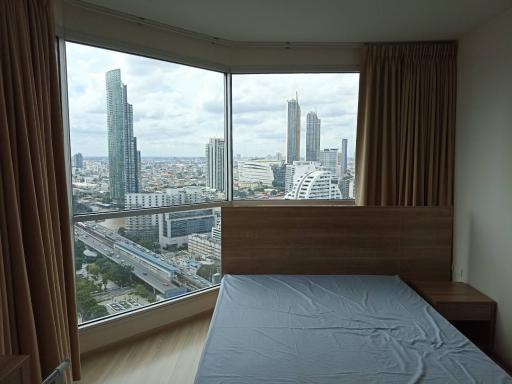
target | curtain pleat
[
  {"x": 406, "y": 125},
  {"x": 37, "y": 296}
]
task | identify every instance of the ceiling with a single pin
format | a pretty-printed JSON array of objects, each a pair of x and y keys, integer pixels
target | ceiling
[{"x": 344, "y": 21}]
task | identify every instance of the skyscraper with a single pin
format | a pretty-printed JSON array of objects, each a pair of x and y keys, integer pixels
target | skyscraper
[
  {"x": 329, "y": 160},
  {"x": 293, "y": 133},
  {"x": 78, "y": 160},
  {"x": 214, "y": 152},
  {"x": 123, "y": 156},
  {"x": 312, "y": 137},
  {"x": 344, "y": 157}
]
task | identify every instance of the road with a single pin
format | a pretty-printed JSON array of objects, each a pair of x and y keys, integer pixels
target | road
[
  {"x": 102, "y": 239},
  {"x": 101, "y": 246}
]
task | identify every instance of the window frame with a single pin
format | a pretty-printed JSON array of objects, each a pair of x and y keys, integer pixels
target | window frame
[{"x": 228, "y": 162}]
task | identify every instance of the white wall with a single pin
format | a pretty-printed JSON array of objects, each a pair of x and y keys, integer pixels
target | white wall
[{"x": 483, "y": 170}]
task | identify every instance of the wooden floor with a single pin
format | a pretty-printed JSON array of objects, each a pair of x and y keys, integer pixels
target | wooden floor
[{"x": 168, "y": 356}]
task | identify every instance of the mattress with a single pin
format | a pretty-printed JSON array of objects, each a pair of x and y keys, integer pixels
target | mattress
[{"x": 334, "y": 329}]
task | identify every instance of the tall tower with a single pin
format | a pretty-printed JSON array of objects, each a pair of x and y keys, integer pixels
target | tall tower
[
  {"x": 293, "y": 133},
  {"x": 312, "y": 137},
  {"x": 344, "y": 157},
  {"x": 329, "y": 160},
  {"x": 123, "y": 157},
  {"x": 214, "y": 152}
]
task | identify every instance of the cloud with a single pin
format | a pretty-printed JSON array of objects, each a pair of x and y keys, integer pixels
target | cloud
[{"x": 178, "y": 108}]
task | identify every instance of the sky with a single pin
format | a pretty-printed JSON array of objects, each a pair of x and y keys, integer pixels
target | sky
[{"x": 177, "y": 108}]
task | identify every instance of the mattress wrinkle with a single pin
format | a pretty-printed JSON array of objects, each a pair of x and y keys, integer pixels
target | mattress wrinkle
[{"x": 334, "y": 329}]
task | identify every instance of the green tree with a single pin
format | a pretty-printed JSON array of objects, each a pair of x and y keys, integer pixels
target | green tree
[
  {"x": 142, "y": 291},
  {"x": 79, "y": 249},
  {"x": 206, "y": 271},
  {"x": 87, "y": 306}
]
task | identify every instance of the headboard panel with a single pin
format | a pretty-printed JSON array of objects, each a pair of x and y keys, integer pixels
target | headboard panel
[{"x": 413, "y": 242}]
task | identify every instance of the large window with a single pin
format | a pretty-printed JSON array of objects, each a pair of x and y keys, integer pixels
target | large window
[
  {"x": 144, "y": 134},
  {"x": 151, "y": 164},
  {"x": 294, "y": 136}
]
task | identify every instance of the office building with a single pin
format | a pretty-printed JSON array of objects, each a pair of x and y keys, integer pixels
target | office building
[
  {"x": 344, "y": 158},
  {"x": 329, "y": 160},
  {"x": 214, "y": 152},
  {"x": 123, "y": 156},
  {"x": 77, "y": 161},
  {"x": 312, "y": 137},
  {"x": 255, "y": 173},
  {"x": 297, "y": 169},
  {"x": 317, "y": 185},
  {"x": 147, "y": 225},
  {"x": 175, "y": 227}
]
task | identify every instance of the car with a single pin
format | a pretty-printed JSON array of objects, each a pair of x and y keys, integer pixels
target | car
[
  {"x": 166, "y": 284},
  {"x": 144, "y": 273}
]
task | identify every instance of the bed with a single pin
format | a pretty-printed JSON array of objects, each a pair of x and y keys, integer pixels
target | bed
[
  {"x": 318, "y": 294},
  {"x": 334, "y": 329}
]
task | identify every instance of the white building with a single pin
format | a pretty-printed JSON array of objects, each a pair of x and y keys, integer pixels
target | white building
[
  {"x": 255, "y": 173},
  {"x": 297, "y": 169},
  {"x": 329, "y": 160},
  {"x": 147, "y": 225},
  {"x": 204, "y": 246},
  {"x": 318, "y": 185}
]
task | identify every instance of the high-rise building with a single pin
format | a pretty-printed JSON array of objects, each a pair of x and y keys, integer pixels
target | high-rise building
[
  {"x": 279, "y": 171},
  {"x": 344, "y": 157},
  {"x": 293, "y": 133},
  {"x": 317, "y": 185},
  {"x": 329, "y": 160},
  {"x": 175, "y": 227},
  {"x": 312, "y": 137},
  {"x": 297, "y": 169},
  {"x": 77, "y": 161},
  {"x": 123, "y": 156},
  {"x": 147, "y": 225},
  {"x": 347, "y": 187},
  {"x": 214, "y": 152},
  {"x": 255, "y": 172}
]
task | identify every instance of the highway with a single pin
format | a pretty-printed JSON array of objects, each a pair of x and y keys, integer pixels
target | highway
[{"x": 102, "y": 240}]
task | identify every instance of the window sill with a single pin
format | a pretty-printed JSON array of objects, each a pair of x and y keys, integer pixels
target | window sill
[{"x": 104, "y": 332}]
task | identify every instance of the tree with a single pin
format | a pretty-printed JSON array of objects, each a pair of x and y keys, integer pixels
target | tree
[
  {"x": 206, "y": 271},
  {"x": 142, "y": 291},
  {"x": 87, "y": 306},
  {"x": 79, "y": 249}
]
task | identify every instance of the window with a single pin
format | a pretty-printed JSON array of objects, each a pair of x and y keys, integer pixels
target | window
[
  {"x": 150, "y": 165},
  {"x": 144, "y": 134},
  {"x": 140, "y": 126},
  {"x": 294, "y": 136}
]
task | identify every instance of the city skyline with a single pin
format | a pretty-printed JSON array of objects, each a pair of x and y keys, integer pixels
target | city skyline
[{"x": 178, "y": 108}]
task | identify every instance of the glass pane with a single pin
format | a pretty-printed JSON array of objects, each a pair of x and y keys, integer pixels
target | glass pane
[
  {"x": 124, "y": 264},
  {"x": 143, "y": 126},
  {"x": 294, "y": 135}
]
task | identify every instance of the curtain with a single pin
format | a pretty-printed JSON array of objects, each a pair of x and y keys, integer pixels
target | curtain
[
  {"x": 37, "y": 295},
  {"x": 406, "y": 125}
]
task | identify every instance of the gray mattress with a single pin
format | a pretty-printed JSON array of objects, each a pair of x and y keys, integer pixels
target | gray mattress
[{"x": 334, "y": 329}]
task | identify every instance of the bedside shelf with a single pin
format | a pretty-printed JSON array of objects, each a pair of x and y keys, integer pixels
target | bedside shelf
[{"x": 469, "y": 310}]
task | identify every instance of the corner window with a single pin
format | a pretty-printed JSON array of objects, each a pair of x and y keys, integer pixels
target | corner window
[
  {"x": 294, "y": 136},
  {"x": 144, "y": 134}
]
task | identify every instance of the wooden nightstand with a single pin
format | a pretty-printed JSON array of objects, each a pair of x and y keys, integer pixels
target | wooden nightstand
[{"x": 469, "y": 310}]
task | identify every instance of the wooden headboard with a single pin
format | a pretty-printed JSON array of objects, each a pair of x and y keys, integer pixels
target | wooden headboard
[{"x": 413, "y": 242}]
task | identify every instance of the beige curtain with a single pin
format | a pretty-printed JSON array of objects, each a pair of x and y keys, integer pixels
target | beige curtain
[
  {"x": 37, "y": 295},
  {"x": 406, "y": 125}
]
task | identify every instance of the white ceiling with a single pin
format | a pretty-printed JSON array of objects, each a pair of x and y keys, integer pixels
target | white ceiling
[{"x": 317, "y": 20}]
